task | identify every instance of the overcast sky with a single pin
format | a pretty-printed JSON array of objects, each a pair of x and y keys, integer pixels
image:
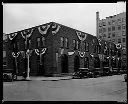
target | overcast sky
[{"x": 80, "y": 16}]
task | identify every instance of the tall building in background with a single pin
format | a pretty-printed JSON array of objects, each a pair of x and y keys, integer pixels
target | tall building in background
[{"x": 113, "y": 29}]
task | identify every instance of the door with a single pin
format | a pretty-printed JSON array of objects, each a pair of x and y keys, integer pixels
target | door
[
  {"x": 76, "y": 63},
  {"x": 64, "y": 63}
]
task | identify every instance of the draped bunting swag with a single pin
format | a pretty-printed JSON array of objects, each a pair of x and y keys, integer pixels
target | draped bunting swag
[
  {"x": 71, "y": 53},
  {"x": 43, "y": 29},
  {"x": 80, "y": 35},
  {"x": 11, "y": 36},
  {"x": 57, "y": 28},
  {"x": 27, "y": 32},
  {"x": 42, "y": 51}
]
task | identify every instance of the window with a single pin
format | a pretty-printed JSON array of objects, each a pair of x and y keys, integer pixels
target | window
[
  {"x": 123, "y": 40},
  {"x": 104, "y": 23},
  {"x": 100, "y": 30},
  {"x": 104, "y": 29},
  {"x": 98, "y": 49},
  {"x": 4, "y": 54},
  {"x": 100, "y": 24},
  {"x": 109, "y": 28},
  {"x": 43, "y": 41},
  {"x": 113, "y": 28},
  {"x": 86, "y": 47},
  {"x": 104, "y": 35},
  {"x": 119, "y": 20},
  {"x": 123, "y": 26},
  {"x": 113, "y": 22},
  {"x": 119, "y": 40},
  {"x": 77, "y": 44},
  {"x": 109, "y": 35},
  {"x": 74, "y": 43},
  {"x": 123, "y": 19},
  {"x": 113, "y": 34},
  {"x": 94, "y": 49},
  {"x": 119, "y": 27},
  {"x": 123, "y": 33},
  {"x": 100, "y": 36},
  {"x": 109, "y": 23},
  {"x": 62, "y": 42},
  {"x": 38, "y": 42},
  {"x": 66, "y": 42}
]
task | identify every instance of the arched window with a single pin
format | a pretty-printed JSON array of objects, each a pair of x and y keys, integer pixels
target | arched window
[{"x": 96, "y": 62}]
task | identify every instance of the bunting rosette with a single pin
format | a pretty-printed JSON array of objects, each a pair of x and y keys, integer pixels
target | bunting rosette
[
  {"x": 118, "y": 46},
  {"x": 27, "y": 33},
  {"x": 11, "y": 36},
  {"x": 43, "y": 29},
  {"x": 81, "y": 53},
  {"x": 40, "y": 52},
  {"x": 55, "y": 28},
  {"x": 15, "y": 54},
  {"x": 99, "y": 41}
]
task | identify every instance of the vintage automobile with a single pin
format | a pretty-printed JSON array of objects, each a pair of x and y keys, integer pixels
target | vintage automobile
[
  {"x": 82, "y": 73},
  {"x": 125, "y": 77},
  {"x": 8, "y": 75}
]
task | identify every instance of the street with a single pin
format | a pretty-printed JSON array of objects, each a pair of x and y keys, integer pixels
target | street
[{"x": 109, "y": 88}]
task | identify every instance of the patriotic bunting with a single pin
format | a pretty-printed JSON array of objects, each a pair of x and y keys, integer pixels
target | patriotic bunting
[
  {"x": 43, "y": 29},
  {"x": 81, "y": 53},
  {"x": 55, "y": 28},
  {"x": 71, "y": 53},
  {"x": 11, "y": 36},
  {"x": 26, "y": 33},
  {"x": 15, "y": 54},
  {"x": 118, "y": 46},
  {"x": 42, "y": 51},
  {"x": 81, "y": 36}
]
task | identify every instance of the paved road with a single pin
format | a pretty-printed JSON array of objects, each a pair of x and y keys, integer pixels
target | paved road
[{"x": 111, "y": 88}]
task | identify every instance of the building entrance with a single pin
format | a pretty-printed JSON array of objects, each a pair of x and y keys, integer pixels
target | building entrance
[
  {"x": 76, "y": 63},
  {"x": 40, "y": 65},
  {"x": 64, "y": 63}
]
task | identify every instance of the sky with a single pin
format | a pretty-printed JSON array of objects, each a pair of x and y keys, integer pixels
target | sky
[{"x": 80, "y": 16}]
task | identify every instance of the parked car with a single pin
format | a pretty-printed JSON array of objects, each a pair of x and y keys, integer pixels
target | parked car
[
  {"x": 82, "y": 73},
  {"x": 125, "y": 77},
  {"x": 8, "y": 75}
]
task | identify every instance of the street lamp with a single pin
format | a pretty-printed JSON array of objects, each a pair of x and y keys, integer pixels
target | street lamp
[
  {"x": 26, "y": 36},
  {"x": 15, "y": 54}
]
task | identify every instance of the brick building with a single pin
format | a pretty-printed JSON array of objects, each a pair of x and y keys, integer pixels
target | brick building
[
  {"x": 113, "y": 29},
  {"x": 56, "y": 49}
]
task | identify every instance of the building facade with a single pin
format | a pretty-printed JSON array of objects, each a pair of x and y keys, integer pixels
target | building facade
[
  {"x": 55, "y": 49},
  {"x": 113, "y": 29}
]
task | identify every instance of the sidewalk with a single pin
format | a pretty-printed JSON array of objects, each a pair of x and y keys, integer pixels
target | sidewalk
[{"x": 42, "y": 78}]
